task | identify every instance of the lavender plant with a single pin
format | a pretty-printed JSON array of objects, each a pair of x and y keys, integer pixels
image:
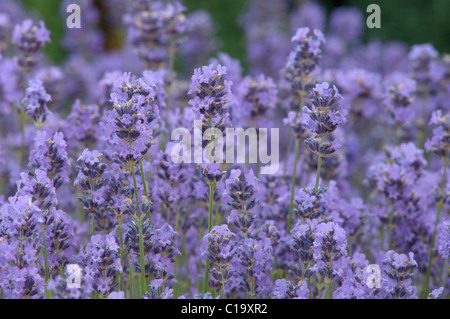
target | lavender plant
[{"x": 89, "y": 208}]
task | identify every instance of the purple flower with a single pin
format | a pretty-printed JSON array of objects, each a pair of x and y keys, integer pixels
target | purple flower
[
  {"x": 422, "y": 57},
  {"x": 309, "y": 203},
  {"x": 234, "y": 68},
  {"x": 309, "y": 14},
  {"x": 255, "y": 266},
  {"x": 399, "y": 96},
  {"x": 296, "y": 122},
  {"x": 128, "y": 120},
  {"x": 444, "y": 240},
  {"x": 35, "y": 102},
  {"x": 286, "y": 290},
  {"x": 436, "y": 293},
  {"x": 256, "y": 97},
  {"x": 242, "y": 201},
  {"x": 399, "y": 268},
  {"x": 218, "y": 246},
  {"x": 330, "y": 244},
  {"x": 347, "y": 23},
  {"x": 307, "y": 53},
  {"x": 101, "y": 263},
  {"x": 82, "y": 125},
  {"x": 325, "y": 115},
  {"x": 362, "y": 91},
  {"x": 153, "y": 28},
  {"x": 49, "y": 154},
  {"x": 30, "y": 39},
  {"x": 211, "y": 172},
  {"x": 210, "y": 92},
  {"x": 440, "y": 141},
  {"x": 10, "y": 85}
]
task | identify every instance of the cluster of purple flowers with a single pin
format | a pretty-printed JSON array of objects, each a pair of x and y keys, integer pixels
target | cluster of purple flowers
[{"x": 94, "y": 205}]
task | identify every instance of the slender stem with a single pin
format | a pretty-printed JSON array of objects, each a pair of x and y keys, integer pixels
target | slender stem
[
  {"x": 141, "y": 237},
  {"x": 23, "y": 122},
  {"x": 309, "y": 288},
  {"x": 319, "y": 165},
  {"x": 327, "y": 287},
  {"x": 391, "y": 228},
  {"x": 286, "y": 156},
  {"x": 211, "y": 210},
  {"x": 396, "y": 134},
  {"x": 144, "y": 183},
  {"x": 421, "y": 135},
  {"x": 222, "y": 292},
  {"x": 167, "y": 215},
  {"x": 294, "y": 175},
  {"x": 186, "y": 264},
  {"x": 440, "y": 205},
  {"x": 211, "y": 207},
  {"x": 130, "y": 281}
]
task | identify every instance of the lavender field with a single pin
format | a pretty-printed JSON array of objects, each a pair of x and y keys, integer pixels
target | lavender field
[{"x": 164, "y": 168}]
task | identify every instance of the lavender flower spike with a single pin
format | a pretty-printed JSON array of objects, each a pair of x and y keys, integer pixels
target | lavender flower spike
[{"x": 35, "y": 102}]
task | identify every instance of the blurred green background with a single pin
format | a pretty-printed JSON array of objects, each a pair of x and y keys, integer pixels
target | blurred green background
[{"x": 411, "y": 21}]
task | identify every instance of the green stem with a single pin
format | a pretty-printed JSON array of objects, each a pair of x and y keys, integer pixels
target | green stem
[
  {"x": 144, "y": 183},
  {"x": 327, "y": 287},
  {"x": 186, "y": 265},
  {"x": 141, "y": 237},
  {"x": 23, "y": 122},
  {"x": 391, "y": 228},
  {"x": 294, "y": 175},
  {"x": 288, "y": 148},
  {"x": 309, "y": 288},
  {"x": 211, "y": 211},
  {"x": 440, "y": 205},
  {"x": 130, "y": 281},
  {"x": 396, "y": 134},
  {"x": 211, "y": 207},
  {"x": 167, "y": 215}
]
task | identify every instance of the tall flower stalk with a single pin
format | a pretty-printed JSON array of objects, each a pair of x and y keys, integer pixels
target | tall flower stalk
[
  {"x": 301, "y": 63},
  {"x": 211, "y": 94},
  {"x": 439, "y": 144},
  {"x": 324, "y": 117}
]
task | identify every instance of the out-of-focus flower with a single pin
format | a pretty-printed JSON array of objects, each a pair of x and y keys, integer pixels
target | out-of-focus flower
[
  {"x": 30, "y": 39},
  {"x": 35, "y": 102}
]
